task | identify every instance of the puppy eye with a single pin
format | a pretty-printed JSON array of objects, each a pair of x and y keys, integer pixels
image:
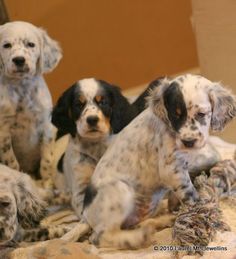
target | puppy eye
[
  {"x": 30, "y": 44},
  {"x": 7, "y": 45},
  {"x": 200, "y": 114},
  {"x": 4, "y": 204},
  {"x": 103, "y": 102},
  {"x": 99, "y": 99},
  {"x": 178, "y": 112},
  {"x": 80, "y": 104}
]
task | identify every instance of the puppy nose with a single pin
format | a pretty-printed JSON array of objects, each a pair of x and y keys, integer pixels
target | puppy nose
[
  {"x": 92, "y": 120},
  {"x": 188, "y": 142},
  {"x": 19, "y": 61}
]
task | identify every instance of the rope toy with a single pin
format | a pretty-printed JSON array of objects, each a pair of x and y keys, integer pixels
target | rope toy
[{"x": 196, "y": 225}]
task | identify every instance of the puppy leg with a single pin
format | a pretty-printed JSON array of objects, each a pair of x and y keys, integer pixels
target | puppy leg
[
  {"x": 160, "y": 222},
  {"x": 42, "y": 233},
  {"x": 106, "y": 213},
  {"x": 30, "y": 206},
  {"x": 173, "y": 168},
  {"x": 202, "y": 159},
  {"x": 173, "y": 202},
  {"x": 80, "y": 180},
  {"x": 7, "y": 154},
  {"x": 217, "y": 156},
  {"x": 47, "y": 171}
]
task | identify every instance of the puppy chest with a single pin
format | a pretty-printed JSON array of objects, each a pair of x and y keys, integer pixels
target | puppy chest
[
  {"x": 26, "y": 121},
  {"x": 26, "y": 131}
]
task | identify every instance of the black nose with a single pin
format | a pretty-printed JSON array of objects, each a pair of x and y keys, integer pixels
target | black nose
[
  {"x": 189, "y": 142},
  {"x": 92, "y": 120},
  {"x": 19, "y": 61}
]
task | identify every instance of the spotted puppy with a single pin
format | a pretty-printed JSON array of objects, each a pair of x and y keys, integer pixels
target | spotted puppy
[
  {"x": 26, "y": 53},
  {"x": 20, "y": 205},
  {"x": 152, "y": 155},
  {"x": 22, "y": 209},
  {"x": 91, "y": 111}
]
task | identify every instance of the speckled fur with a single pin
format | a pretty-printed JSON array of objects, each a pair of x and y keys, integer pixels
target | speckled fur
[
  {"x": 80, "y": 160},
  {"x": 148, "y": 157},
  {"x": 87, "y": 143},
  {"x": 25, "y": 101},
  {"x": 22, "y": 209},
  {"x": 20, "y": 203}
]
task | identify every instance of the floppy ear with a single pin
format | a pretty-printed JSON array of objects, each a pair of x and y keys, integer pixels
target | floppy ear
[
  {"x": 51, "y": 53},
  {"x": 223, "y": 106},
  {"x": 61, "y": 114},
  {"x": 121, "y": 110},
  {"x": 30, "y": 207},
  {"x": 167, "y": 103},
  {"x": 141, "y": 102},
  {"x": 156, "y": 100}
]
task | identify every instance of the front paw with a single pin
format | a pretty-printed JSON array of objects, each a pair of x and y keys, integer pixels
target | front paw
[
  {"x": 191, "y": 196},
  {"x": 173, "y": 202},
  {"x": 77, "y": 205}
]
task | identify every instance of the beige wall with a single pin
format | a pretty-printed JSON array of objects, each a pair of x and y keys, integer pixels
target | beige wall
[{"x": 127, "y": 42}]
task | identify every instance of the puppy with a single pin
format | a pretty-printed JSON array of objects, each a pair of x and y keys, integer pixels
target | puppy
[
  {"x": 26, "y": 53},
  {"x": 20, "y": 203},
  {"x": 22, "y": 209},
  {"x": 90, "y": 111},
  {"x": 152, "y": 155}
]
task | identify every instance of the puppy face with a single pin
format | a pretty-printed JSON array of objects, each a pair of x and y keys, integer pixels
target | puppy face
[
  {"x": 23, "y": 50},
  {"x": 190, "y": 105},
  {"x": 91, "y": 109},
  {"x": 8, "y": 216}
]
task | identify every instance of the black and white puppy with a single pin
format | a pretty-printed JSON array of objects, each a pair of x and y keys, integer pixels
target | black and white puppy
[{"x": 90, "y": 111}]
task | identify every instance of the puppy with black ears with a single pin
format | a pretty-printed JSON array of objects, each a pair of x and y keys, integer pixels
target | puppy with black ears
[{"x": 90, "y": 111}]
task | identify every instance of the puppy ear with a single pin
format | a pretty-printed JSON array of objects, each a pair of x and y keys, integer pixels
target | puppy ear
[
  {"x": 156, "y": 100},
  {"x": 122, "y": 113},
  {"x": 121, "y": 110},
  {"x": 223, "y": 106},
  {"x": 61, "y": 114},
  {"x": 30, "y": 207},
  {"x": 141, "y": 102},
  {"x": 51, "y": 53},
  {"x": 167, "y": 103}
]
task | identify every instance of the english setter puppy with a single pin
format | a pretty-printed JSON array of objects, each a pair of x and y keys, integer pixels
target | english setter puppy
[
  {"x": 22, "y": 209},
  {"x": 90, "y": 111},
  {"x": 26, "y": 53},
  {"x": 20, "y": 203},
  {"x": 152, "y": 155}
]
